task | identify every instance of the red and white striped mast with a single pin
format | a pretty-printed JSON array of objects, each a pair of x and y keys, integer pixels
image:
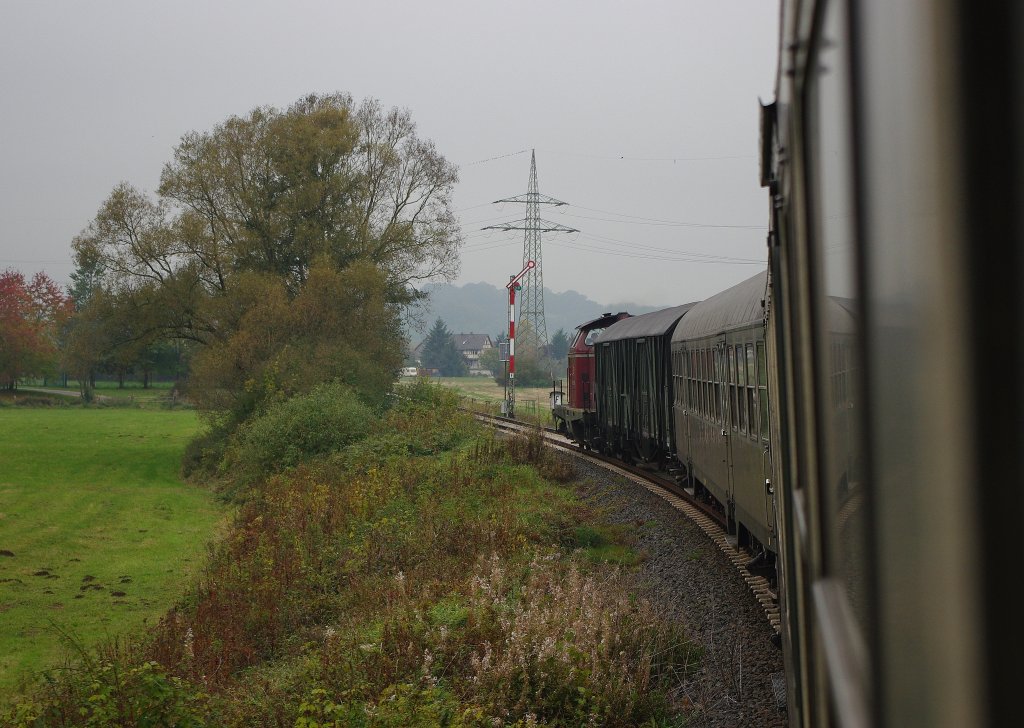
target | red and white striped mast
[{"x": 513, "y": 285}]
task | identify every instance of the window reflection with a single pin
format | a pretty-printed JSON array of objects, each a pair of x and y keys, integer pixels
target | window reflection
[{"x": 835, "y": 248}]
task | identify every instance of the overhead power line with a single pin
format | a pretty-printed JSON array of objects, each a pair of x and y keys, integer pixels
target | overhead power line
[
  {"x": 633, "y": 219},
  {"x": 682, "y": 258},
  {"x": 637, "y": 220},
  {"x": 623, "y": 249},
  {"x": 616, "y": 157},
  {"x": 651, "y": 248},
  {"x": 492, "y": 159},
  {"x": 627, "y": 158}
]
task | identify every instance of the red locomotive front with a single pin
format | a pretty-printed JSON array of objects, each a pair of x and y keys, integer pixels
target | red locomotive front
[{"x": 572, "y": 417}]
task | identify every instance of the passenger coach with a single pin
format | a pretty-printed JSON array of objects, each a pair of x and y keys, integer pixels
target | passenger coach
[{"x": 720, "y": 378}]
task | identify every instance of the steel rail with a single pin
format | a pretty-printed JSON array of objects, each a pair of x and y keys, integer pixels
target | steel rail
[{"x": 707, "y": 519}]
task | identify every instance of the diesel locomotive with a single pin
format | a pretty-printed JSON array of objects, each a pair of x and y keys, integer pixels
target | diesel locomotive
[{"x": 855, "y": 412}]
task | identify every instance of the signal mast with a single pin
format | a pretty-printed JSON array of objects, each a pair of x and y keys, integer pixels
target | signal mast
[{"x": 510, "y": 385}]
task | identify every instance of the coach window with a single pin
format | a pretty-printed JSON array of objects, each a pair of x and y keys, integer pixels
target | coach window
[
  {"x": 732, "y": 387},
  {"x": 718, "y": 385},
  {"x": 705, "y": 375},
  {"x": 741, "y": 382},
  {"x": 674, "y": 368},
  {"x": 692, "y": 382},
  {"x": 698, "y": 405},
  {"x": 696, "y": 382},
  {"x": 682, "y": 377},
  {"x": 710, "y": 369},
  {"x": 706, "y": 384},
  {"x": 687, "y": 373},
  {"x": 709, "y": 410},
  {"x": 834, "y": 251},
  {"x": 688, "y": 366},
  {"x": 674, "y": 376},
  {"x": 700, "y": 382},
  {"x": 762, "y": 389},
  {"x": 751, "y": 387}
]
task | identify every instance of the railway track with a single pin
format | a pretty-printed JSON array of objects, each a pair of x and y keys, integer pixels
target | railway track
[{"x": 681, "y": 499}]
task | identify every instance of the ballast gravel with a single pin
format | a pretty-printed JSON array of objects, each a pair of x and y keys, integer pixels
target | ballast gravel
[{"x": 691, "y": 580}]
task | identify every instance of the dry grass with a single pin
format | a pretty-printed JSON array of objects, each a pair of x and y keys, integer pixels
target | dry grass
[{"x": 533, "y": 404}]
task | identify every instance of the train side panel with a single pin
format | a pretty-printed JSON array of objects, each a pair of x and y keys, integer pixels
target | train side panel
[
  {"x": 635, "y": 392},
  {"x": 721, "y": 365},
  {"x": 893, "y": 160}
]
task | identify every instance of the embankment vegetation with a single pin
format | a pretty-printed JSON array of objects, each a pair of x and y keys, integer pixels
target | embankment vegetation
[{"x": 418, "y": 572}]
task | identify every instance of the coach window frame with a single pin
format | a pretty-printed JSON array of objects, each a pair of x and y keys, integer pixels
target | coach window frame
[
  {"x": 718, "y": 384},
  {"x": 741, "y": 385},
  {"x": 693, "y": 380},
  {"x": 761, "y": 355},
  {"x": 730, "y": 355},
  {"x": 701, "y": 404},
  {"x": 844, "y": 634},
  {"x": 753, "y": 421}
]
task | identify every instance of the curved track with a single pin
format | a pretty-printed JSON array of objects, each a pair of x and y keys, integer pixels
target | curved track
[{"x": 677, "y": 497}]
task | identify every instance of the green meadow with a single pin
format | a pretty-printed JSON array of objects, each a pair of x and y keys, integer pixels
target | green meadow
[{"x": 98, "y": 534}]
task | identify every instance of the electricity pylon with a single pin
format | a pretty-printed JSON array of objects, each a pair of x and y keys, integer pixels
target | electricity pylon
[{"x": 534, "y": 328}]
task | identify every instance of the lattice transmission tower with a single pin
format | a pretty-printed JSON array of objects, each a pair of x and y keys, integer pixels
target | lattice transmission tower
[{"x": 534, "y": 328}]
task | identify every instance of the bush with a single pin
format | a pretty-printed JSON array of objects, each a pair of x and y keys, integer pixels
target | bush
[
  {"x": 326, "y": 419},
  {"x": 428, "y": 418},
  {"x": 109, "y": 691},
  {"x": 529, "y": 448},
  {"x": 204, "y": 452},
  {"x": 571, "y": 647}
]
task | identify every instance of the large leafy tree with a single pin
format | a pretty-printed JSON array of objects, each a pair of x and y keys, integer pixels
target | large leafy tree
[
  {"x": 439, "y": 352},
  {"x": 340, "y": 327},
  {"x": 33, "y": 313},
  {"x": 109, "y": 333},
  {"x": 246, "y": 213}
]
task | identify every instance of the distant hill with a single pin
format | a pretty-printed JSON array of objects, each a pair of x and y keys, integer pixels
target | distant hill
[{"x": 481, "y": 308}]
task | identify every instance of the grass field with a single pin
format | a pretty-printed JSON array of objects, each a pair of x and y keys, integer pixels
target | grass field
[
  {"x": 97, "y": 532},
  {"x": 531, "y": 402}
]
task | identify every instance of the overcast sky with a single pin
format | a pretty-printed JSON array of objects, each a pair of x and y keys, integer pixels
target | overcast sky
[{"x": 644, "y": 117}]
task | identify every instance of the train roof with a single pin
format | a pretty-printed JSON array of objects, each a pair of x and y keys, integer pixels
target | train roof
[
  {"x": 732, "y": 308},
  {"x": 656, "y": 323},
  {"x": 602, "y": 321}
]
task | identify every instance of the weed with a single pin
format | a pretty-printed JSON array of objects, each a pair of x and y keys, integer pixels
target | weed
[{"x": 112, "y": 687}]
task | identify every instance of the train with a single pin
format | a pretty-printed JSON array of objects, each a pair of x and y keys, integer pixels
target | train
[
  {"x": 854, "y": 411},
  {"x": 684, "y": 390}
]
